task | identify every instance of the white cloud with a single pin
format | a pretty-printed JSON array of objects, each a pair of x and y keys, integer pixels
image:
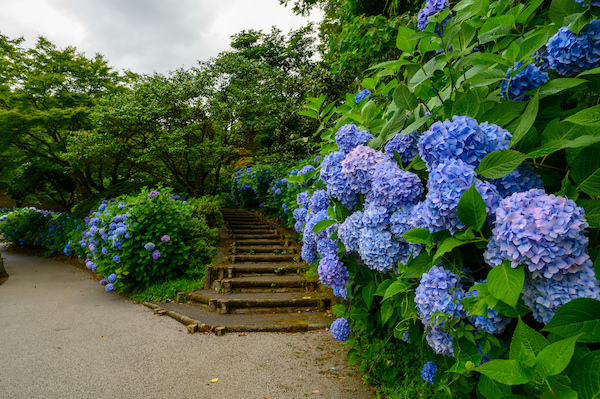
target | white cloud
[{"x": 144, "y": 35}]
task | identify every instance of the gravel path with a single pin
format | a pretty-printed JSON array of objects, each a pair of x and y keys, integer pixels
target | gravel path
[{"x": 62, "y": 336}]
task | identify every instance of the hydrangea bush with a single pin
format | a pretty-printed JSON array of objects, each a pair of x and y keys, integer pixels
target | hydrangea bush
[{"x": 464, "y": 201}]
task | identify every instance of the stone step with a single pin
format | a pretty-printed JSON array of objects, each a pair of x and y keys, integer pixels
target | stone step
[
  {"x": 259, "y": 241},
  {"x": 243, "y": 219},
  {"x": 240, "y": 249},
  {"x": 264, "y": 267},
  {"x": 252, "y": 231},
  {"x": 290, "y": 281},
  {"x": 251, "y": 236},
  {"x": 263, "y": 258}
]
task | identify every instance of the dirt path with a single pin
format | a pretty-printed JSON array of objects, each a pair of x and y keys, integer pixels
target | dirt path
[{"x": 63, "y": 337}]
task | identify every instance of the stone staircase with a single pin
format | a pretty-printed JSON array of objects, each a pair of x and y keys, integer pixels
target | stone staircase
[{"x": 262, "y": 286}]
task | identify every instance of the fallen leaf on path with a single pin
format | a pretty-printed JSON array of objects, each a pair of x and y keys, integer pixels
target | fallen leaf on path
[
  {"x": 243, "y": 335},
  {"x": 315, "y": 391},
  {"x": 214, "y": 380}
]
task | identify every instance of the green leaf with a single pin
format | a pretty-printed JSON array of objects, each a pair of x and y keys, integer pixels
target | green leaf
[
  {"x": 402, "y": 40},
  {"x": 486, "y": 77},
  {"x": 338, "y": 310},
  {"x": 508, "y": 372},
  {"x": 471, "y": 209},
  {"x": 580, "y": 21},
  {"x": 585, "y": 170},
  {"x": 404, "y": 98},
  {"x": 580, "y": 316},
  {"x": 369, "y": 83},
  {"x": 567, "y": 189},
  {"x": 585, "y": 377},
  {"x": 445, "y": 246},
  {"x": 503, "y": 113},
  {"x": 491, "y": 389},
  {"x": 525, "y": 336},
  {"x": 397, "y": 287},
  {"x": 556, "y": 145},
  {"x": 467, "y": 104},
  {"x": 383, "y": 287},
  {"x": 323, "y": 224},
  {"x": 592, "y": 211},
  {"x": 498, "y": 164},
  {"x": 310, "y": 113},
  {"x": 587, "y": 117},
  {"x": 526, "y": 120},
  {"x": 556, "y": 86},
  {"x": 419, "y": 265},
  {"x": 560, "y": 9},
  {"x": 554, "y": 358},
  {"x": 368, "y": 293},
  {"x": 417, "y": 235},
  {"x": 506, "y": 283},
  {"x": 417, "y": 124},
  {"x": 567, "y": 394}
]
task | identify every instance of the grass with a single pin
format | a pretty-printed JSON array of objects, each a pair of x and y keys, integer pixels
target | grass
[{"x": 167, "y": 291}]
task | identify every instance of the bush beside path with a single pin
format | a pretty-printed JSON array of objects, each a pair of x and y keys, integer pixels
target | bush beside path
[{"x": 63, "y": 337}]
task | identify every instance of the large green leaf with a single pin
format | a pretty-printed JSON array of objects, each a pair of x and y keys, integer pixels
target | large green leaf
[
  {"x": 323, "y": 224},
  {"x": 587, "y": 117},
  {"x": 580, "y": 316},
  {"x": 491, "y": 389},
  {"x": 506, "y": 283},
  {"x": 503, "y": 113},
  {"x": 525, "y": 336},
  {"x": 486, "y": 77},
  {"x": 402, "y": 40},
  {"x": 555, "y": 145},
  {"x": 419, "y": 265},
  {"x": 526, "y": 120},
  {"x": 556, "y": 86},
  {"x": 404, "y": 98},
  {"x": 554, "y": 358},
  {"x": 592, "y": 211},
  {"x": 471, "y": 209},
  {"x": 445, "y": 246},
  {"x": 585, "y": 377},
  {"x": 508, "y": 372},
  {"x": 417, "y": 235},
  {"x": 395, "y": 288},
  {"x": 498, "y": 164},
  {"x": 467, "y": 104},
  {"x": 560, "y": 9},
  {"x": 585, "y": 170}
]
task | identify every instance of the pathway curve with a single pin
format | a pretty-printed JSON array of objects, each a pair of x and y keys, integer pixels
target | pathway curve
[{"x": 62, "y": 336}]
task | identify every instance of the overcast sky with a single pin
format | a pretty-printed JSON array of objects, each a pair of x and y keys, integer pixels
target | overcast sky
[{"x": 144, "y": 35}]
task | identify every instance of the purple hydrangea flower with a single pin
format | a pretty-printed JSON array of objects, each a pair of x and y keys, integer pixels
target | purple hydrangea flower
[
  {"x": 333, "y": 272},
  {"x": 348, "y": 137},
  {"x": 439, "y": 292},
  {"x": 514, "y": 87},
  {"x": 359, "y": 165},
  {"x": 337, "y": 183},
  {"x": 153, "y": 194},
  {"x": 149, "y": 246},
  {"x": 493, "y": 255},
  {"x": 570, "y": 54},
  {"x": 102, "y": 207},
  {"x": 340, "y": 329},
  {"x": 165, "y": 238},
  {"x": 428, "y": 372},
  {"x": 496, "y": 138},
  {"x": 302, "y": 199},
  {"x": 405, "y": 145},
  {"x": 432, "y": 7},
  {"x": 156, "y": 254},
  {"x": 327, "y": 246},
  {"x": 309, "y": 235},
  {"x": 376, "y": 217},
  {"x": 543, "y": 231},
  {"x": 460, "y": 139},
  {"x": 393, "y": 187},
  {"x": 362, "y": 95}
]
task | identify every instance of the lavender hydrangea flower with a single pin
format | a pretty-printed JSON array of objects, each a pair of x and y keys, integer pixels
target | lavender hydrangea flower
[
  {"x": 431, "y": 8},
  {"x": 333, "y": 272},
  {"x": 405, "y": 145},
  {"x": 349, "y": 231},
  {"x": 439, "y": 292},
  {"x": 428, "y": 372},
  {"x": 543, "y": 231},
  {"x": 165, "y": 238},
  {"x": 460, "y": 139},
  {"x": 570, "y": 54},
  {"x": 521, "y": 179},
  {"x": 340, "y": 329},
  {"x": 348, "y": 137},
  {"x": 153, "y": 194},
  {"x": 327, "y": 246},
  {"x": 493, "y": 254},
  {"x": 362, "y": 95},
  {"x": 309, "y": 235},
  {"x": 149, "y": 246},
  {"x": 378, "y": 250},
  {"x": 545, "y": 295},
  {"x": 156, "y": 254},
  {"x": 359, "y": 165},
  {"x": 514, "y": 87},
  {"x": 337, "y": 183},
  {"x": 393, "y": 188}
]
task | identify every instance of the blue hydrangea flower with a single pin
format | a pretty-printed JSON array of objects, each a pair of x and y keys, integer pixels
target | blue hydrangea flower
[
  {"x": 460, "y": 139},
  {"x": 428, "y": 372},
  {"x": 149, "y": 246},
  {"x": 112, "y": 278},
  {"x": 393, "y": 187},
  {"x": 378, "y": 250},
  {"x": 117, "y": 258},
  {"x": 337, "y": 183},
  {"x": 493, "y": 254},
  {"x": 359, "y": 165},
  {"x": 376, "y": 217},
  {"x": 543, "y": 231},
  {"x": 327, "y": 246},
  {"x": 440, "y": 341},
  {"x": 333, "y": 272},
  {"x": 496, "y": 138},
  {"x": 362, "y": 95},
  {"x": 494, "y": 323},
  {"x": 340, "y": 329},
  {"x": 545, "y": 295},
  {"x": 309, "y": 253},
  {"x": 348, "y": 137},
  {"x": 302, "y": 199},
  {"x": 309, "y": 235},
  {"x": 514, "y": 87},
  {"x": 319, "y": 201},
  {"x": 341, "y": 293},
  {"x": 570, "y": 54},
  {"x": 431, "y": 8},
  {"x": 403, "y": 144},
  {"x": 521, "y": 179},
  {"x": 439, "y": 292},
  {"x": 349, "y": 231},
  {"x": 109, "y": 288}
]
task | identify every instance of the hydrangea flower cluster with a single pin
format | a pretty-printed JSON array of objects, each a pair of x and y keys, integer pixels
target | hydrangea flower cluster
[
  {"x": 348, "y": 137},
  {"x": 337, "y": 183},
  {"x": 514, "y": 87},
  {"x": 570, "y": 54},
  {"x": 362, "y": 95},
  {"x": 431, "y": 8},
  {"x": 521, "y": 179},
  {"x": 493, "y": 323},
  {"x": 428, "y": 372},
  {"x": 405, "y": 145},
  {"x": 340, "y": 329},
  {"x": 359, "y": 167},
  {"x": 394, "y": 188},
  {"x": 439, "y": 291}
]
